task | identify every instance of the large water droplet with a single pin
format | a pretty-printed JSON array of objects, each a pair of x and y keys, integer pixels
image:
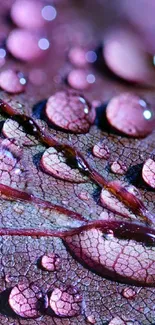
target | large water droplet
[
  {"x": 23, "y": 45},
  {"x": 70, "y": 112},
  {"x": 125, "y": 56},
  {"x": 66, "y": 302},
  {"x": 11, "y": 81},
  {"x": 61, "y": 164},
  {"x": 27, "y": 14},
  {"x": 127, "y": 114},
  {"x": 27, "y": 300}
]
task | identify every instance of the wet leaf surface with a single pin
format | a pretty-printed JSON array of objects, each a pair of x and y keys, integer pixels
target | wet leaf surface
[{"x": 102, "y": 298}]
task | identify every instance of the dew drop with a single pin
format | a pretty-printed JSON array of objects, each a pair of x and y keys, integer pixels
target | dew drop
[
  {"x": 91, "y": 319},
  {"x": 148, "y": 172},
  {"x": 77, "y": 79},
  {"x": 117, "y": 321},
  {"x": 128, "y": 293},
  {"x": 77, "y": 57},
  {"x": 50, "y": 262},
  {"x": 118, "y": 167},
  {"x": 61, "y": 164},
  {"x": 12, "y": 81},
  {"x": 124, "y": 55},
  {"x": 126, "y": 113},
  {"x": 26, "y": 300},
  {"x": 23, "y": 45},
  {"x": 66, "y": 302},
  {"x": 27, "y": 14},
  {"x": 85, "y": 196},
  {"x": 101, "y": 150},
  {"x": 70, "y": 112},
  {"x": 13, "y": 130}
]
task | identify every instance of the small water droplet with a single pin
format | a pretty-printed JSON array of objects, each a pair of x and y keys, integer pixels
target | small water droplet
[
  {"x": 118, "y": 167},
  {"x": 101, "y": 150},
  {"x": 117, "y": 321},
  {"x": 91, "y": 319},
  {"x": 148, "y": 172},
  {"x": 128, "y": 293},
  {"x": 77, "y": 79},
  {"x": 50, "y": 262},
  {"x": 77, "y": 57},
  {"x": 18, "y": 208},
  {"x": 85, "y": 196},
  {"x": 66, "y": 302}
]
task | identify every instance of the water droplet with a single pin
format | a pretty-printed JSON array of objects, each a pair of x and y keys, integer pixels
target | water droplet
[
  {"x": 101, "y": 150},
  {"x": 125, "y": 56},
  {"x": 77, "y": 57},
  {"x": 11, "y": 81},
  {"x": 49, "y": 13},
  {"x": 62, "y": 164},
  {"x": 43, "y": 44},
  {"x": 128, "y": 293},
  {"x": 27, "y": 14},
  {"x": 128, "y": 114},
  {"x": 77, "y": 79},
  {"x": 70, "y": 112},
  {"x": 66, "y": 302},
  {"x": 50, "y": 262},
  {"x": 91, "y": 56},
  {"x": 18, "y": 208},
  {"x": 85, "y": 196},
  {"x": 148, "y": 172},
  {"x": 91, "y": 319},
  {"x": 26, "y": 300},
  {"x": 23, "y": 45},
  {"x": 117, "y": 321},
  {"x": 118, "y": 167}
]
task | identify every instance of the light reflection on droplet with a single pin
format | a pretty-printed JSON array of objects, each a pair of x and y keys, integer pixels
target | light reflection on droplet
[
  {"x": 91, "y": 78},
  {"x": 86, "y": 110},
  {"x": 147, "y": 114},
  {"x": 43, "y": 44},
  {"x": 22, "y": 81},
  {"x": 82, "y": 100},
  {"x": 91, "y": 56},
  {"x": 2, "y": 53},
  {"x": 142, "y": 103},
  {"x": 49, "y": 13}
]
